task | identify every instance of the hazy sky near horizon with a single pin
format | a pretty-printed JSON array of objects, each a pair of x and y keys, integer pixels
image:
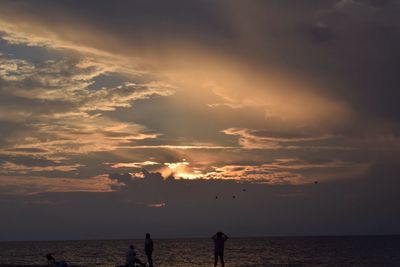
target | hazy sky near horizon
[{"x": 124, "y": 117}]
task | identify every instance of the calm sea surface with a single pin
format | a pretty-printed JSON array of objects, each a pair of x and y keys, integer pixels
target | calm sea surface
[{"x": 269, "y": 251}]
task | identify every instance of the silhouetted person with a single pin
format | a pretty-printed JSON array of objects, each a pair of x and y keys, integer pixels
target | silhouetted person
[
  {"x": 50, "y": 259},
  {"x": 219, "y": 242},
  {"x": 148, "y": 248},
  {"x": 131, "y": 258}
]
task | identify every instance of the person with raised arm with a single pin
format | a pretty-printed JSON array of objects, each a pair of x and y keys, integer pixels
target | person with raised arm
[{"x": 219, "y": 243}]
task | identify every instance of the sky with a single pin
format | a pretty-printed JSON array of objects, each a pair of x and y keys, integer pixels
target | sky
[{"x": 183, "y": 118}]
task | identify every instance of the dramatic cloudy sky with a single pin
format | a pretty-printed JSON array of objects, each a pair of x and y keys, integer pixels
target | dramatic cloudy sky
[{"x": 181, "y": 118}]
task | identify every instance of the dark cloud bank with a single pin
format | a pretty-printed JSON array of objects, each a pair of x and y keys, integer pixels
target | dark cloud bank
[{"x": 189, "y": 208}]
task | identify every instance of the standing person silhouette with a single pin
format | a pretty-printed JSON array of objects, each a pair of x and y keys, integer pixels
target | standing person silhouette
[
  {"x": 219, "y": 242},
  {"x": 148, "y": 248}
]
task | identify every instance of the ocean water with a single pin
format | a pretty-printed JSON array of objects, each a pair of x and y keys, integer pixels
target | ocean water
[{"x": 267, "y": 251}]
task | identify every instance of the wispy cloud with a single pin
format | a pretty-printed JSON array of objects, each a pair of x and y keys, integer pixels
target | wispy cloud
[
  {"x": 23, "y": 185},
  {"x": 10, "y": 167},
  {"x": 259, "y": 139},
  {"x": 134, "y": 164},
  {"x": 289, "y": 171},
  {"x": 66, "y": 120}
]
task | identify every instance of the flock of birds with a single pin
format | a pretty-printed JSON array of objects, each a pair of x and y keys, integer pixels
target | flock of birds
[{"x": 244, "y": 190}]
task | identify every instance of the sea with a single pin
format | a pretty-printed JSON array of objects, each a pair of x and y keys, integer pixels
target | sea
[{"x": 262, "y": 251}]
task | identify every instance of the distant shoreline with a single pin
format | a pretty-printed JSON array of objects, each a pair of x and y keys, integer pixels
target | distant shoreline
[
  {"x": 191, "y": 238},
  {"x": 33, "y": 265}
]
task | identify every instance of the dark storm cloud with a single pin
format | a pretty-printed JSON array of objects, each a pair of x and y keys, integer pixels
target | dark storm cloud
[
  {"x": 348, "y": 46},
  {"x": 125, "y": 178}
]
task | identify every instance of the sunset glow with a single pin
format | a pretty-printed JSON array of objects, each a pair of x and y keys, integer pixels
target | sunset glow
[{"x": 147, "y": 100}]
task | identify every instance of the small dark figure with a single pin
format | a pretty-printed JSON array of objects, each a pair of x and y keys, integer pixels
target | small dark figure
[
  {"x": 131, "y": 258},
  {"x": 233, "y": 196},
  {"x": 61, "y": 263},
  {"x": 219, "y": 242},
  {"x": 316, "y": 182},
  {"x": 216, "y": 197},
  {"x": 148, "y": 248},
  {"x": 50, "y": 259},
  {"x": 244, "y": 190}
]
